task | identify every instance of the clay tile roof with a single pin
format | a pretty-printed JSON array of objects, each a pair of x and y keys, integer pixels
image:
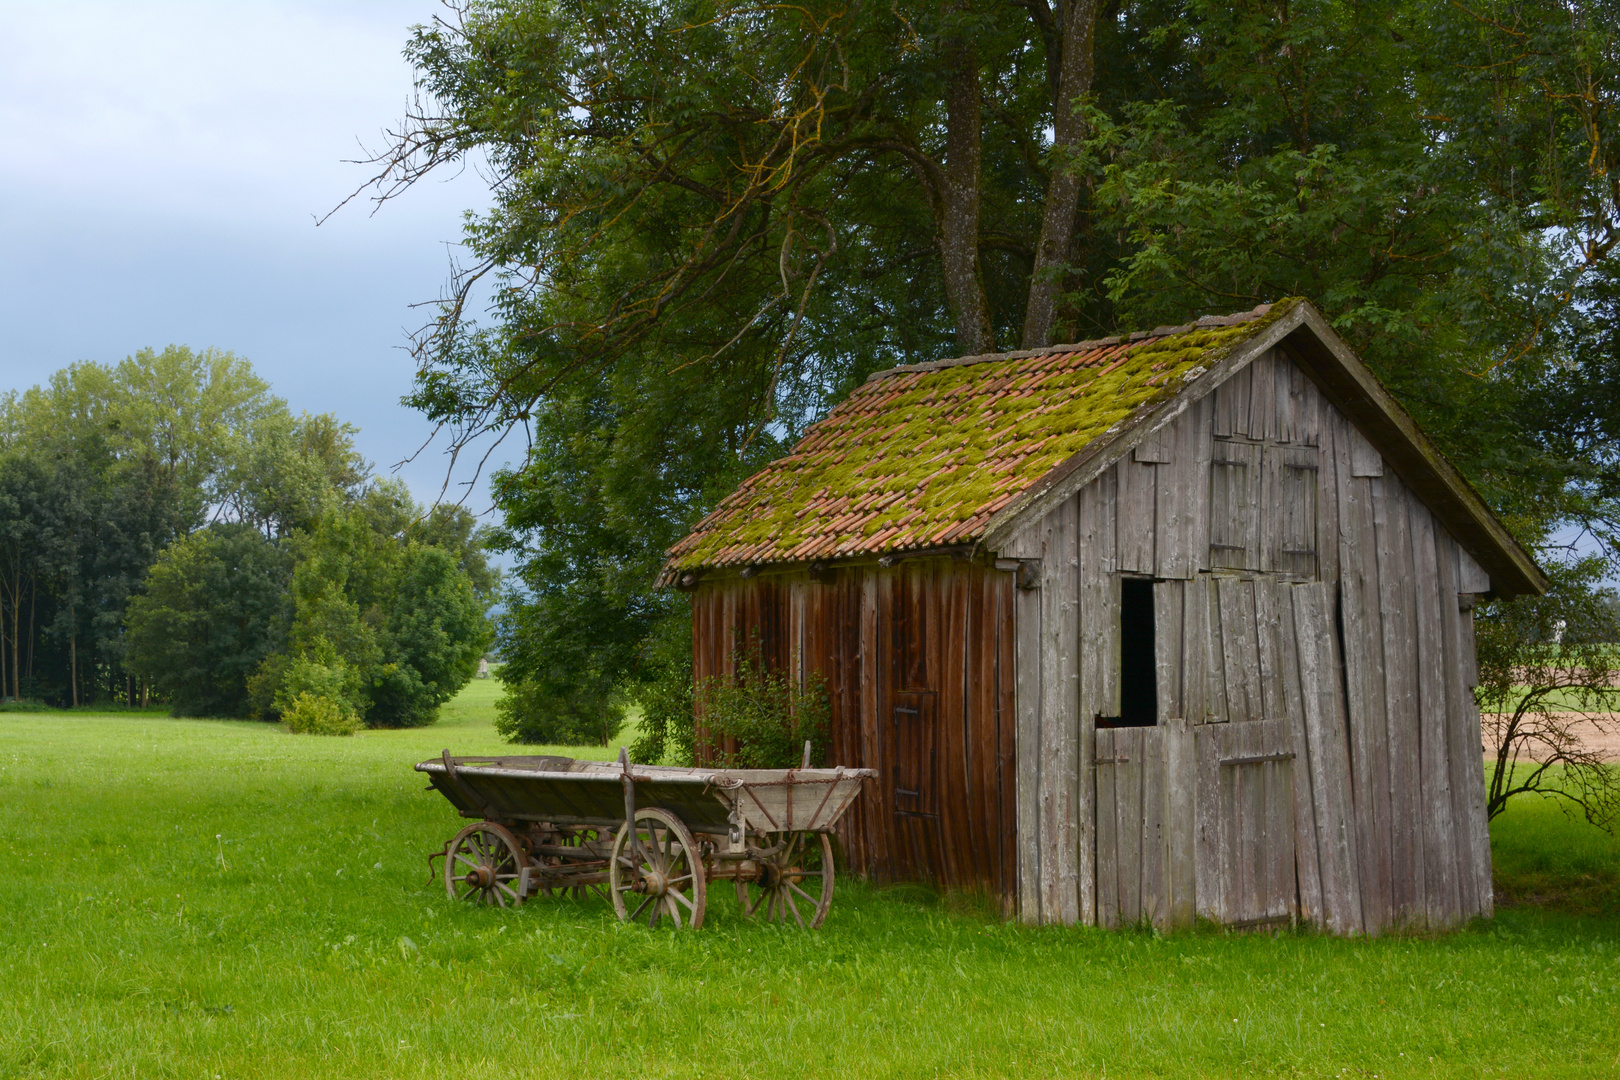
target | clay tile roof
[{"x": 925, "y": 454}]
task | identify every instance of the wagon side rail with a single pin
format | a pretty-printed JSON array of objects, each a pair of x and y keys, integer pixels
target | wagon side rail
[{"x": 795, "y": 800}]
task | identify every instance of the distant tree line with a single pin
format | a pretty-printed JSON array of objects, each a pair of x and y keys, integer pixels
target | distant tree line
[{"x": 170, "y": 530}]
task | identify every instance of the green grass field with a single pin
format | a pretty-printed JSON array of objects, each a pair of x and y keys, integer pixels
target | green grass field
[{"x": 217, "y": 899}]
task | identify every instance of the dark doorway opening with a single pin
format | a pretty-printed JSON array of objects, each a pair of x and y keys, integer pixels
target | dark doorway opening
[{"x": 1138, "y": 666}]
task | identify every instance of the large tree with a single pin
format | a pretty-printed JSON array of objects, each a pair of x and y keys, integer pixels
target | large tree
[{"x": 711, "y": 219}]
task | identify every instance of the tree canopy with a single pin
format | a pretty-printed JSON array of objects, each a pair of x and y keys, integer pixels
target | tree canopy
[{"x": 712, "y": 218}]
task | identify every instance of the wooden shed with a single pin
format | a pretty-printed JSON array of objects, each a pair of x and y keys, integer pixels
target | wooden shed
[{"x": 1170, "y": 625}]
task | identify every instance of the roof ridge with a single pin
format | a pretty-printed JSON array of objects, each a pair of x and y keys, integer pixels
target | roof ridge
[{"x": 1206, "y": 322}]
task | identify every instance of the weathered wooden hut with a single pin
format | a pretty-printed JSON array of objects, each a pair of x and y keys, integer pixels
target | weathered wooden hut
[{"x": 1143, "y": 628}]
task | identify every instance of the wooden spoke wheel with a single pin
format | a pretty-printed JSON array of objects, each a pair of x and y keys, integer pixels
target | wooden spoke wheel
[
  {"x": 656, "y": 871},
  {"x": 483, "y": 864},
  {"x": 794, "y": 881}
]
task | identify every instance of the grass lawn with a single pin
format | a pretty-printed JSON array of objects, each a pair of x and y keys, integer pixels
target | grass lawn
[{"x": 215, "y": 899}]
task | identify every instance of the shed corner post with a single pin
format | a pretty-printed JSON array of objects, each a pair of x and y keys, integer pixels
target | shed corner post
[{"x": 1022, "y": 557}]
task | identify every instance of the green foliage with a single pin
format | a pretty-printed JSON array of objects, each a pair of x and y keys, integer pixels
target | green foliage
[
  {"x": 760, "y": 719},
  {"x": 213, "y": 607},
  {"x": 710, "y": 222},
  {"x": 434, "y": 633},
  {"x": 665, "y": 696},
  {"x": 320, "y": 673},
  {"x": 319, "y": 714},
  {"x": 526, "y": 714},
  {"x": 399, "y": 617},
  {"x": 103, "y": 467}
]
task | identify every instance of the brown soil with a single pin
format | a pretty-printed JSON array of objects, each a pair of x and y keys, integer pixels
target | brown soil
[{"x": 1606, "y": 740}]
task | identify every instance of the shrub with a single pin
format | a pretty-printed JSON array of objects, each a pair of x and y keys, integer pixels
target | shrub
[
  {"x": 319, "y": 673},
  {"x": 528, "y": 713},
  {"x": 761, "y": 719},
  {"x": 318, "y": 714}
]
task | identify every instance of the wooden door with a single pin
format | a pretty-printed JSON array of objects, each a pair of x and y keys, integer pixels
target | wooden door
[
  {"x": 1245, "y": 823},
  {"x": 914, "y": 755},
  {"x": 1145, "y": 825},
  {"x": 913, "y": 779}
]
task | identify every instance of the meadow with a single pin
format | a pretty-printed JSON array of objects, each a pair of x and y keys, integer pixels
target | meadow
[{"x": 214, "y": 899}]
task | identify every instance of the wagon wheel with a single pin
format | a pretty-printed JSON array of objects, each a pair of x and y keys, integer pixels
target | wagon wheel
[
  {"x": 482, "y": 864},
  {"x": 794, "y": 881},
  {"x": 656, "y": 871}
]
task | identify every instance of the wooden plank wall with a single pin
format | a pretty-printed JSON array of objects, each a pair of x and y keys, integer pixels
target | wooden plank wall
[
  {"x": 930, "y": 632},
  {"x": 1297, "y": 580}
]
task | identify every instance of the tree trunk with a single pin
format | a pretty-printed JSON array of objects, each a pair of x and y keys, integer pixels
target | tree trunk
[
  {"x": 1077, "y": 32},
  {"x": 16, "y": 635},
  {"x": 73, "y": 669},
  {"x": 959, "y": 228}
]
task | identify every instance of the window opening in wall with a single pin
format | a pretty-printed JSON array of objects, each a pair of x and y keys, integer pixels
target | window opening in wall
[{"x": 1138, "y": 667}]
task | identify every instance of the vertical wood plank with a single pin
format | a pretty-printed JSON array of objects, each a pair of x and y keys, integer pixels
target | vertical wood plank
[
  {"x": 1168, "y": 605},
  {"x": 1467, "y": 759},
  {"x": 1273, "y": 702},
  {"x": 1107, "y": 815},
  {"x": 1059, "y": 620},
  {"x": 1235, "y": 505},
  {"x": 1216, "y": 699},
  {"x": 1364, "y": 458},
  {"x": 1397, "y": 601},
  {"x": 1027, "y": 628},
  {"x": 1155, "y": 903},
  {"x": 1128, "y": 800},
  {"x": 1137, "y": 486},
  {"x": 1156, "y": 448},
  {"x": 1181, "y": 531},
  {"x": 878, "y": 812},
  {"x": 1235, "y": 599},
  {"x": 1441, "y": 897},
  {"x": 1097, "y": 630},
  {"x": 1309, "y": 871},
  {"x": 1238, "y": 386},
  {"x": 1471, "y": 577},
  {"x": 1288, "y": 400},
  {"x": 1327, "y": 504},
  {"x": 1262, "y": 396},
  {"x": 1180, "y": 781},
  {"x": 1328, "y": 758},
  {"x": 1194, "y": 647},
  {"x": 1362, "y": 641},
  {"x": 1210, "y": 836},
  {"x": 1309, "y": 409}
]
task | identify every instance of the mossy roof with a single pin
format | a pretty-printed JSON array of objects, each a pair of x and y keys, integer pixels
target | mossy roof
[{"x": 925, "y": 455}]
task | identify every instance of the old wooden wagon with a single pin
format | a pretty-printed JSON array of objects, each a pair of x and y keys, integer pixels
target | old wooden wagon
[
  {"x": 650, "y": 837},
  {"x": 1159, "y": 627}
]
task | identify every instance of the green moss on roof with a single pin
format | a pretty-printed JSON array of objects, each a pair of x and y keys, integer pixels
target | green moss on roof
[{"x": 926, "y": 455}]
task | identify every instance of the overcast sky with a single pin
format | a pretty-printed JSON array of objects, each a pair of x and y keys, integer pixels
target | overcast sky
[{"x": 162, "y": 168}]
